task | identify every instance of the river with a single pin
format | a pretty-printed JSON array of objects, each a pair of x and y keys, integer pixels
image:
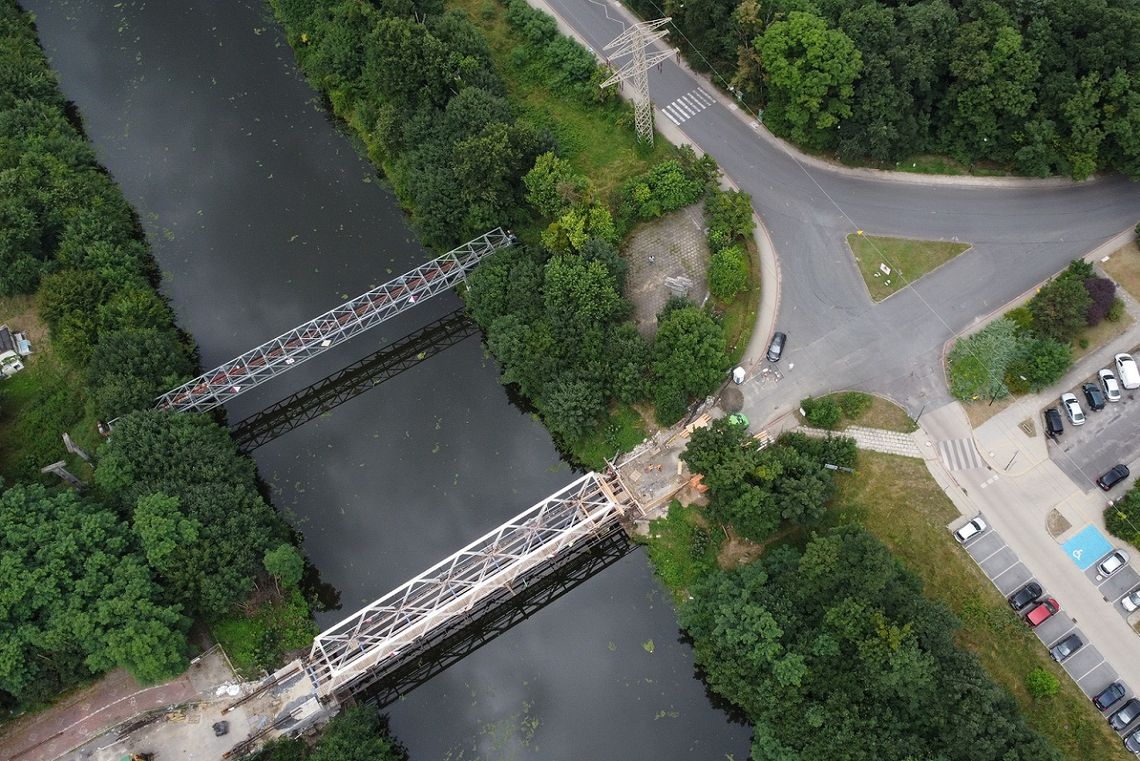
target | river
[{"x": 262, "y": 214}]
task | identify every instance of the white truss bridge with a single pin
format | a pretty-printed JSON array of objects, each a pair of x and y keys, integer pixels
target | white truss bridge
[
  {"x": 443, "y": 594},
  {"x": 274, "y": 357}
]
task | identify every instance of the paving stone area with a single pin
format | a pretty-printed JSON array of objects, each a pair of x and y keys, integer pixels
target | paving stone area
[
  {"x": 875, "y": 439},
  {"x": 672, "y": 248}
]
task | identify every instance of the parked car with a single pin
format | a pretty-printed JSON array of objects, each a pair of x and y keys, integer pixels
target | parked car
[
  {"x": 972, "y": 528},
  {"x": 1131, "y": 601},
  {"x": 1024, "y": 596},
  {"x": 1109, "y": 696},
  {"x": 1093, "y": 396},
  {"x": 1126, "y": 369},
  {"x": 1042, "y": 612},
  {"x": 1113, "y": 563},
  {"x": 1072, "y": 409},
  {"x": 1053, "y": 425},
  {"x": 1126, "y": 715},
  {"x": 1109, "y": 384},
  {"x": 1115, "y": 475},
  {"x": 1066, "y": 647},
  {"x": 776, "y": 348},
  {"x": 1132, "y": 742}
]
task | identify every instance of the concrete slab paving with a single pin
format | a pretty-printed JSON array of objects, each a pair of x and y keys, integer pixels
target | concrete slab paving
[
  {"x": 1119, "y": 584},
  {"x": 985, "y": 544},
  {"x": 1095, "y": 679}
]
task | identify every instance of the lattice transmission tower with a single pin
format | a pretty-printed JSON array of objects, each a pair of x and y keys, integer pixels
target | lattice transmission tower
[{"x": 633, "y": 42}]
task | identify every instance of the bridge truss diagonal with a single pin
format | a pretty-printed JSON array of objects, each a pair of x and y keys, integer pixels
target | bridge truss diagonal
[
  {"x": 274, "y": 357},
  {"x": 444, "y": 593}
]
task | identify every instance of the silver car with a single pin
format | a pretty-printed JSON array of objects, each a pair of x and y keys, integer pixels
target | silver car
[
  {"x": 1109, "y": 384},
  {"x": 1113, "y": 563},
  {"x": 1131, "y": 601},
  {"x": 1073, "y": 409}
]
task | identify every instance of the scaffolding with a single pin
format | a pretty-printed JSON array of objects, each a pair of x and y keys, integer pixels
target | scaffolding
[
  {"x": 272, "y": 358},
  {"x": 445, "y": 594}
]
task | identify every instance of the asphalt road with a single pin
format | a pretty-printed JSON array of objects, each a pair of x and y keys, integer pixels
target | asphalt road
[{"x": 1020, "y": 237}]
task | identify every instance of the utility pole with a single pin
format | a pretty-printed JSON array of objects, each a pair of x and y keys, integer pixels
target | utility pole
[{"x": 633, "y": 42}]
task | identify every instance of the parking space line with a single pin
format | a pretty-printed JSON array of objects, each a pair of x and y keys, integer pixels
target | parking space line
[
  {"x": 987, "y": 557},
  {"x": 1094, "y": 668},
  {"x": 995, "y": 576},
  {"x": 1068, "y": 631}
]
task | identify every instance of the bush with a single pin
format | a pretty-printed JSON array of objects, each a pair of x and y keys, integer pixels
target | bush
[
  {"x": 1020, "y": 317},
  {"x": 1102, "y": 291},
  {"x": 728, "y": 272},
  {"x": 1042, "y": 684},
  {"x": 1060, "y": 308},
  {"x": 823, "y": 412},
  {"x": 729, "y": 216},
  {"x": 1122, "y": 518},
  {"x": 1116, "y": 311},
  {"x": 854, "y": 404}
]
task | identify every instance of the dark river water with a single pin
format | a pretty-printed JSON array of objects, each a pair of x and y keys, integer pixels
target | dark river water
[{"x": 262, "y": 214}]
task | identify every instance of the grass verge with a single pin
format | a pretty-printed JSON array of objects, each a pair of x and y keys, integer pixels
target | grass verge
[
  {"x": 898, "y": 501},
  {"x": 258, "y": 642},
  {"x": 622, "y": 430},
  {"x": 1123, "y": 266},
  {"x": 598, "y": 140},
  {"x": 739, "y": 317},
  {"x": 907, "y": 259},
  {"x": 869, "y": 411}
]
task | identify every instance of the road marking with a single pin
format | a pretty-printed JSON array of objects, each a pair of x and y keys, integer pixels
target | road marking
[
  {"x": 1094, "y": 668},
  {"x": 1086, "y": 547},
  {"x": 688, "y": 105},
  {"x": 994, "y": 577},
  {"x": 989, "y": 481},
  {"x": 960, "y": 454}
]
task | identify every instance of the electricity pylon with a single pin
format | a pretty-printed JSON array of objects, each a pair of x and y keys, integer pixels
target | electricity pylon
[{"x": 634, "y": 41}]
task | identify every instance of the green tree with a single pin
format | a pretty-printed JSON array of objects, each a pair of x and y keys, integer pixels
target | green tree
[
  {"x": 977, "y": 364},
  {"x": 78, "y": 599},
  {"x": 1122, "y": 518},
  {"x": 577, "y": 225},
  {"x": 553, "y": 185},
  {"x": 1060, "y": 308},
  {"x": 129, "y": 368},
  {"x": 356, "y": 735},
  {"x": 578, "y": 293},
  {"x": 728, "y": 272},
  {"x": 571, "y": 406},
  {"x": 1040, "y": 361},
  {"x": 823, "y": 412},
  {"x": 729, "y": 216},
  {"x": 192, "y": 461},
  {"x": 809, "y": 69},
  {"x": 285, "y": 564},
  {"x": 688, "y": 359},
  {"x": 1042, "y": 684}
]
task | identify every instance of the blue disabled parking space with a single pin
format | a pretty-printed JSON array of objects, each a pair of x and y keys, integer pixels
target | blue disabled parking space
[{"x": 1087, "y": 547}]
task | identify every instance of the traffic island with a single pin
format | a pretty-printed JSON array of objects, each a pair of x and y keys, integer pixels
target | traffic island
[{"x": 890, "y": 264}]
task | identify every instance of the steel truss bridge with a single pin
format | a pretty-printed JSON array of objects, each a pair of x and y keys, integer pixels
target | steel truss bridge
[
  {"x": 274, "y": 357},
  {"x": 355, "y": 653},
  {"x": 333, "y": 390}
]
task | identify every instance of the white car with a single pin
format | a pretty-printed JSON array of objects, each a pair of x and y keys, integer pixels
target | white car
[
  {"x": 1073, "y": 409},
  {"x": 1126, "y": 369},
  {"x": 1131, "y": 601},
  {"x": 1109, "y": 384},
  {"x": 1113, "y": 563},
  {"x": 973, "y": 528}
]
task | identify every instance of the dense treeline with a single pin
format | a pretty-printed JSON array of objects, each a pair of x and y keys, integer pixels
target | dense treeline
[
  {"x": 833, "y": 652},
  {"x": 176, "y": 527},
  {"x": 417, "y": 84},
  {"x": 357, "y": 734},
  {"x": 1044, "y": 87}
]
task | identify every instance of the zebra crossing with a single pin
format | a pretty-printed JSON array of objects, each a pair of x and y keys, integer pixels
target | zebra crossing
[
  {"x": 960, "y": 454},
  {"x": 688, "y": 105}
]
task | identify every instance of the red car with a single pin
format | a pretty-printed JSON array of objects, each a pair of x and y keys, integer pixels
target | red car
[{"x": 1043, "y": 612}]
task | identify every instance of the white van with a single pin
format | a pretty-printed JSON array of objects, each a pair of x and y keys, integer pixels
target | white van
[{"x": 1126, "y": 370}]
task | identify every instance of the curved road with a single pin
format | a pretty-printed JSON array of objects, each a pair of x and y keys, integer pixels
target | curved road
[{"x": 837, "y": 336}]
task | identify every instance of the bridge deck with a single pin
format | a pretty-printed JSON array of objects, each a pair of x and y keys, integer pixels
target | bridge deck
[
  {"x": 256, "y": 366},
  {"x": 348, "y": 650}
]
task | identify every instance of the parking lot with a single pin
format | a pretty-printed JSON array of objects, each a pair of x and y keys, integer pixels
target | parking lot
[
  {"x": 1107, "y": 437},
  {"x": 1091, "y": 672}
]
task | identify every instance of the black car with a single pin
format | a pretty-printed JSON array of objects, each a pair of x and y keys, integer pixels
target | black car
[
  {"x": 776, "y": 348},
  {"x": 1114, "y": 476},
  {"x": 1025, "y": 596},
  {"x": 1053, "y": 425},
  {"x": 1094, "y": 396},
  {"x": 1126, "y": 715},
  {"x": 1132, "y": 742},
  {"x": 1066, "y": 647},
  {"x": 1108, "y": 697}
]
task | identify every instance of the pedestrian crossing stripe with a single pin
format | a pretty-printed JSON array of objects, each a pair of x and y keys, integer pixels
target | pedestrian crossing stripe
[
  {"x": 960, "y": 454},
  {"x": 688, "y": 105}
]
